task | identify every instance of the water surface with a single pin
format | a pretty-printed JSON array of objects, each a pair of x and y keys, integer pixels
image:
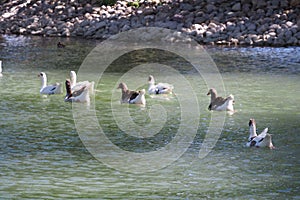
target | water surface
[{"x": 42, "y": 156}]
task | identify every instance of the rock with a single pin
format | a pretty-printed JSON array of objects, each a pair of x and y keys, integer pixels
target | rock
[
  {"x": 208, "y": 34},
  {"x": 171, "y": 25},
  {"x": 66, "y": 32},
  {"x": 291, "y": 41},
  {"x": 289, "y": 23},
  {"x": 113, "y": 29},
  {"x": 288, "y": 34},
  {"x": 278, "y": 42},
  {"x": 251, "y": 26},
  {"x": 236, "y": 7},
  {"x": 178, "y": 18},
  {"x": 187, "y": 7},
  {"x": 100, "y": 25},
  {"x": 199, "y": 20},
  {"x": 275, "y": 3},
  {"x": 252, "y": 22},
  {"x": 272, "y": 34},
  {"x": 148, "y": 11},
  {"x": 126, "y": 27},
  {"x": 210, "y": 8}
]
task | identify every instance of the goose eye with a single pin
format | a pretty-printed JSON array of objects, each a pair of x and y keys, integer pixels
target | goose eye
[{"x": 41, "y": 74}]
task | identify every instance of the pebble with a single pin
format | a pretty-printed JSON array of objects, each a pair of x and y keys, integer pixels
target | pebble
[{"x": 236, "y": 22}]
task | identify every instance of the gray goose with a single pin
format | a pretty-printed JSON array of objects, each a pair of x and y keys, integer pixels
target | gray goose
[
  {"x": 220, "y": 103},
  {"x": 127, "y": 95}
]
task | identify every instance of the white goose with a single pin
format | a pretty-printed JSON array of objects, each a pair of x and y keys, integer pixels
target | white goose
[
  {"x": 1, "y": 68},
  {"x": 127, "y": 94},
  {"x": 160, "y": 88},
  {"x": 81, "y": 95},
  {"x": 50, "y": 89},
  {"x": 220, "y": 103},
  {"x": 139, "y": 99},
  {"x": 262, "y": 140},
  {"x": 76, "y": 86}
]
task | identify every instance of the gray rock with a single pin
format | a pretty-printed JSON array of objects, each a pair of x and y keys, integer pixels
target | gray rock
[
  {"x": 251, "y": 26},
  {"x": 100, "y": 25},
  {"x": 291, "y": 41},
  {"x": 199, "y": 20},
  {"x": 126, "y": 27},
  {"x": 236, "y": 7},
  {"x": 178, "y": 18},
  {"x": 278, "y": 42},
  {"x": 113, "y": 28},
  {"x": 297, "y": 35},
  {"x": 288, "y": 34},
  {"x": 187, "y": 7},
  {"x": 171, "y": 25},
  {"x": 210, "y": 8},
  {"x": 148, "y": 11},
  {"x": 246, "y": 7},
  {"x": 208, "y": 33}
]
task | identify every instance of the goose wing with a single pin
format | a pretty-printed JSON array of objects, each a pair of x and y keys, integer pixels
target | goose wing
[
  {"x": 50, "y": 89},
  {"x": 261, "y": 136},
  {"x": 133, "y": 95},
  {"x": 219, "y": 101}
]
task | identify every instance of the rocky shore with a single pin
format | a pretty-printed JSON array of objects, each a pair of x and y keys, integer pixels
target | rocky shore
[{"x": 223, "y": 22}]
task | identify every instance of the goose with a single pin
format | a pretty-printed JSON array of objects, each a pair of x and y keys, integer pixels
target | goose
[
  {"x": 127, "y": 94},
  {"x": 1, "y": 68},
  {"x": 81, "y": 95},
  {"x": 264, "y": 139},
  {"x": 76, "y": 86},
  {"x": 220, "y": 103},
  {"x": 50, "y": 89},
  {"x": 140, "y": 99},
  {"x": 60, "y": 45},
  {"x": 160, "y": 88}
]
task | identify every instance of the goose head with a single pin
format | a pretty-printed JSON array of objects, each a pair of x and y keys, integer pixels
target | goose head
[
  {"x": 252, "y": 129},
  {"x": 213, "y": 93},
  {"x": 122, "y": 86},
  {"x": 252, "y": 122},
  {"x": 43, "y": 77},
  {"x": 231, "y": 98},
  {"x": 151, "y": 79}
]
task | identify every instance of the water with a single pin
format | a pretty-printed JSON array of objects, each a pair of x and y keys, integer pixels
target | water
[{"x": 43, "y": 157}]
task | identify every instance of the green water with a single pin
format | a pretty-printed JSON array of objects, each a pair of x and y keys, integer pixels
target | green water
[{"x": 43, "y": 157}]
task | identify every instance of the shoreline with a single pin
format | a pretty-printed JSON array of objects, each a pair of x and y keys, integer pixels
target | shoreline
[{"x": 218, "y": 22}]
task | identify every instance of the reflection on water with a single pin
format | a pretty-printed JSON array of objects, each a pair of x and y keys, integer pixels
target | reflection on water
[{"x": 42, "y": 156}]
